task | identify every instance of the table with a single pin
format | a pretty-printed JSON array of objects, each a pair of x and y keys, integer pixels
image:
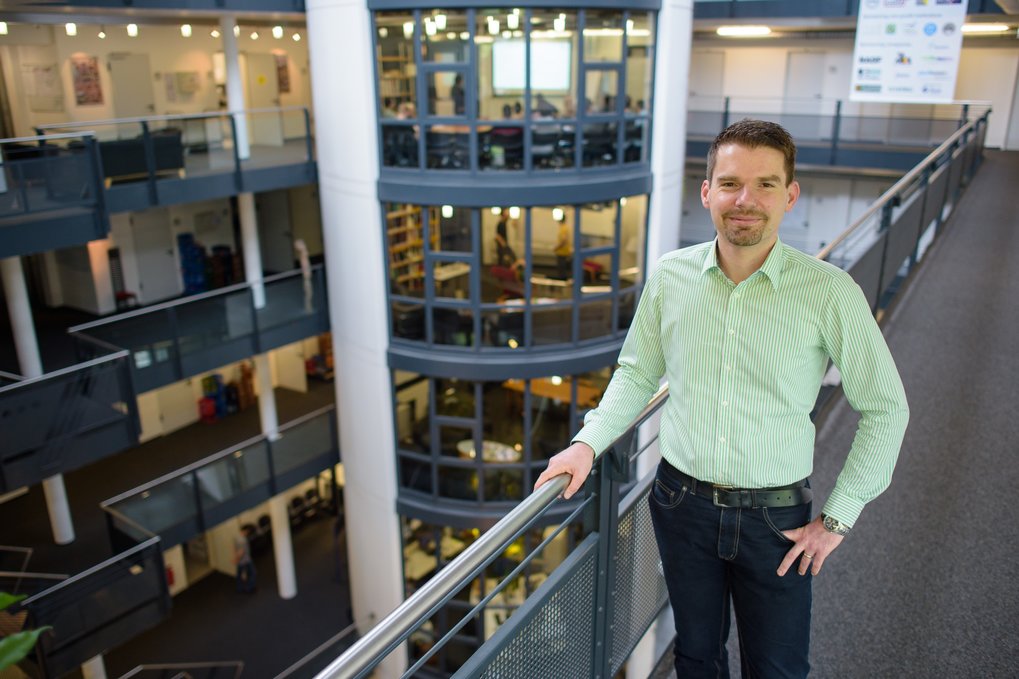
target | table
[
  {"x": 587, "y": 396},
  {"x": 491, "y": 451}
]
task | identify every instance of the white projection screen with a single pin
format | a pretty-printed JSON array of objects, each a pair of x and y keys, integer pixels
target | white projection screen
[{"x": 550, "y": 66}]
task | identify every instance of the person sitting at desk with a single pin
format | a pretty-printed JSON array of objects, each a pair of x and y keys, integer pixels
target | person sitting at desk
[{"x": 563, "y": 251}]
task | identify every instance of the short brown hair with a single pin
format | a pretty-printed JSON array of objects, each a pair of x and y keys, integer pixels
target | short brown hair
[{"x": 753, "y": 134}]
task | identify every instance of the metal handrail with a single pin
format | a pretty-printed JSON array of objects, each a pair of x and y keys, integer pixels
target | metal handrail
[
  {"x": 166, "y": 117},
  {"x": 345, "y": 632},
  {"x": 106, "y": 504},
  {"x": 33, "y": 576},
  {"x": 899, "y": 186},
  {"x": 181, "y": 301},
  {"x": 121, "y": 353},
  {"x": 390, "y": 632},
  {"x": 47, "y": 137},
  {"x": 90, "y": 571},
  {"x": 236, "y": 664}
]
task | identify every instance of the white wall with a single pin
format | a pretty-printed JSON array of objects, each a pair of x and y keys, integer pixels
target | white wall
[
  {"x": 754, "y": 76},
  {"x": 169, "y": 53}
]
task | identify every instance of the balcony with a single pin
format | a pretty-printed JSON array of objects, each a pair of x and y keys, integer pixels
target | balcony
[
  {"x": 786, "y": 9},
  {"x": 193, "y": 499},
  {"x": 175, "y": 340},
  {"x": 173, "y": 159},
  {"x": 65, "y": 420}
]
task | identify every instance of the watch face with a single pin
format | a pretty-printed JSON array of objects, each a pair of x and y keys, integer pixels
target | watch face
[{"x": 834, "y": 525}]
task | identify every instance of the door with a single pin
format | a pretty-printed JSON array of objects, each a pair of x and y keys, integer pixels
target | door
[
  {"x": 275, "y": 238},
  {"x": 154, "y": 256},
  {"x": 262, "y": 90},
  {"x": 804, "y": 85},
  {"x": 706, "y": 95},
  {"x": 131, "y": 77}
]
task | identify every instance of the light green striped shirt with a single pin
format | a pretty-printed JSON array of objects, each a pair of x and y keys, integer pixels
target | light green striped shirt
[{"x": 744, "y": 365}]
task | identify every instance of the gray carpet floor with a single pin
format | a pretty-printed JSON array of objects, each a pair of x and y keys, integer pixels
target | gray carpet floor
[{"x": 923, "y": 587}]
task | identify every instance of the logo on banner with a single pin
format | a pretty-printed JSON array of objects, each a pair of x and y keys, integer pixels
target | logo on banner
[{"x": 930, "y": 28}]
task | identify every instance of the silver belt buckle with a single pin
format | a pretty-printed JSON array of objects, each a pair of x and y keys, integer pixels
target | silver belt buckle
[{"x": 714, "y": 496}]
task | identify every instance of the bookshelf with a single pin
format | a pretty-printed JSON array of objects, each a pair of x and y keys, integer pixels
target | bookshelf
[{"x": 405, "y": 235}]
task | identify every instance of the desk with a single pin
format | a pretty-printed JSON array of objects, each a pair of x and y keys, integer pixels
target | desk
[
  {"x": 587, "y": 396},
  {"x": 445, "y": 272},
  {"x": 417, "y": 563},
  {"x": 491, "y": 451}
]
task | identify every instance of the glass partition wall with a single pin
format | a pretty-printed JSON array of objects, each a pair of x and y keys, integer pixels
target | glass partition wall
[
  {"x": 507, "y": 277},
  {"x": 513, "y": 89}
]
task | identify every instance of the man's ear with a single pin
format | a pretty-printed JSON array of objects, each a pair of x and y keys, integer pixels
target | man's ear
[
  {"x": 794, "y": 195},
  {"x": 705, "y": 189}
]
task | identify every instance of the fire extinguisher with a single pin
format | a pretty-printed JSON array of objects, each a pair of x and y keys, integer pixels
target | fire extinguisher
[{"x": 169, "y": 576}]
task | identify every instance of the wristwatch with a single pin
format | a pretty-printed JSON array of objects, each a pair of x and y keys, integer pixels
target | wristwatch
[{"x": 833, "y": 525}]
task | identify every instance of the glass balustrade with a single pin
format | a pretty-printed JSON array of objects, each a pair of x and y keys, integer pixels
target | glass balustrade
[{"x": 48, "y": 172}]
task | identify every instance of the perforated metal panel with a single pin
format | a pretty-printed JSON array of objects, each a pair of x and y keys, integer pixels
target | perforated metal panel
[
  {"x": 639, "y": 589},
  {"x": 557, "y": 640}
]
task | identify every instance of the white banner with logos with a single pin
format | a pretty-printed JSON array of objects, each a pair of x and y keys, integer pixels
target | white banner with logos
[{"x": 907, "y": 51}]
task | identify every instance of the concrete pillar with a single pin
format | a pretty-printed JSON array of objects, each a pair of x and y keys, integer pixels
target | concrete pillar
[
  {"x": 282, "y": 547},
  {"x": 30, "y": 365},
  {"x": 668, "y": 141},
  {"x": 251, "y": 247},
  {"x": 340, "y": 33},
  {"x": 234, "y": 84},
  {"x": 93, "y": 668},
  {"x": 266, "y": 397}
]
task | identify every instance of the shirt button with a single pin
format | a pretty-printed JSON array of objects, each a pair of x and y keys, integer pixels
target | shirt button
[
  {"x": 732, "y": 332},
  {"x": 728, "y": 368},
  {"x": 721, "y": 439},
  {"x": 725, "y": 404}
]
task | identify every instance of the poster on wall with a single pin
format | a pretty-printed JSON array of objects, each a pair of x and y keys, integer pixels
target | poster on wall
[
  {"x": 42, "y": 87},
  {"x": 907, "y": 51},
  {"x": 85, "y": 77},
  {"x": 282, "y": 72}
]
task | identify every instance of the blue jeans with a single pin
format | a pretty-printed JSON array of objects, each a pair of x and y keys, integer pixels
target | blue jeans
[{"x": 713, "y": 555}]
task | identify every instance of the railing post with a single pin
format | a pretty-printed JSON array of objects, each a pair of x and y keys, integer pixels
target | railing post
[
  {"x": 836, "y": 130},
  {"x": 196, "y": 489},
  {"x": 238, "y": 180},
  {"x": 725, "y": 113},
  {"x": 610, "y": 471},
  {"x": 178, "y": 360},
  {"x": 914, "y": 257},
  {"x": 150, "y": 161},
  {"x": 128, "y": 394},
  {"x": 965, "y": 115},
  {"x": 307, "y": 132},
  {"x": 886, "y": 223},
  {"x": 22, "y": 189}
]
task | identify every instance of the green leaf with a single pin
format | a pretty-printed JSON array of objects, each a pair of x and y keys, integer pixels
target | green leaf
[
  {"x": 9, "y": 599},
  {"x": 17, "y": 646}
]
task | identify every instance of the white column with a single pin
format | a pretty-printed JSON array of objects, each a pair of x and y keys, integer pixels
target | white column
[
  {"x": 20, "y": 311},
  {"x": 668, "y": 139},
  {"x": 93, "y": 668},
  {"x": 234, "y": 84},
  {"x": 339, "y": 33},
  {"x": 266, "y": 397},
  {"x": 282, "y": 547},
  {"x": 30, "y": 365},
  {"x": 251, "y": 247}
]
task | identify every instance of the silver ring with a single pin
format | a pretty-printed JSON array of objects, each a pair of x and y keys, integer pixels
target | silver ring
[{"x": 807, "y": 556}]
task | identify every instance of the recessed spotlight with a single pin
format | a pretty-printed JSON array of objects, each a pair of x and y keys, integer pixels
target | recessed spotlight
[
  {"x": 214, "y": 33},
  {"x": 277, "y": 32},
  {"x": 185, "y": 30},
  {"x": 297, "y": 37},
  {"x": 132, "y": 30},
  {"x": 254, "y": 35},
  {"x": 71, "y": 29},
  {"x": 743, "y": 31},
  {"x": 3, "y": 28}
]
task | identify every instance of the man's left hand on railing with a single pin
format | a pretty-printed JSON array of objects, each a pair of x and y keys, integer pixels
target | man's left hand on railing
[{"x": 576, "y": 461}]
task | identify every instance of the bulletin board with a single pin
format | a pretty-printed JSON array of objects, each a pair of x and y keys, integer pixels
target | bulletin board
[{"x": 88, "y": 90}]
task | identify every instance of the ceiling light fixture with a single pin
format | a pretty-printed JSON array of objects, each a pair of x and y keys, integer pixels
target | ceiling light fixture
[
  {"x": 71, "y": 29},
  {"x": 743, "y": 31},
  {"x": 102, "y": 33},
  {"x": 237, "y": 31},
  {"x": 277, "y": 32},
  {"x": 3, "y": 28},
  {"x": 254, "y": 35},
  {"x": 514, "y": 212},
  {"x": 440, "y": 21},
  {"x": 297, "y": 37},
  {"x": 132, "y": 30},
  {"x": 185, "y": 30},
  {"x": 408, "y": 29},
  {"x": 447, "y": 211},
  {"x": 513, "y": 21},
  {"x": 985, "y": 28}
]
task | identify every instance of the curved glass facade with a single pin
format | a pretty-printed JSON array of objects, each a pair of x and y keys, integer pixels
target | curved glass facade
[
  {"x": 514, "y": 90},
  {"x": 507, "y": 277}
]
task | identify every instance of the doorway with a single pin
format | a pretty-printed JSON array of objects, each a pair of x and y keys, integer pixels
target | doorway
[
  {"x": 262, "y": 88},
  {"x": 154, "y": 256},
  {"x": 131, "y": 77}
]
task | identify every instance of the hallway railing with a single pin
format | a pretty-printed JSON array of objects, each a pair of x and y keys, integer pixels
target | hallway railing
[
  {"x": 184, "y": 337},
  {"x": 587, "y": 617},
  {"x": 190, "y": 500},
  {"x": 66, "y": 419}
]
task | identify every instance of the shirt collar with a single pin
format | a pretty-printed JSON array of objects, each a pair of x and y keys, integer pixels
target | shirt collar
[{"x": 772, "y": 267}]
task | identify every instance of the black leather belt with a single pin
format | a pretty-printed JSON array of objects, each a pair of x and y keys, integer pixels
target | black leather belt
[{"x": 792, "y": 495}]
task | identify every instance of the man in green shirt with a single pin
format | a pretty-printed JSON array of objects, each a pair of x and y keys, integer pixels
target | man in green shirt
[{"x": 743, "y": 328}]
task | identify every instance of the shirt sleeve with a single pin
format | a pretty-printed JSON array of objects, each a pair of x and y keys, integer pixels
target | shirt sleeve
[
  {"x": 873, "y": 388},
  {"x": 635, "y": 382}
]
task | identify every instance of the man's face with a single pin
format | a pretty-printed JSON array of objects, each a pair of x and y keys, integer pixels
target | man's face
[{"x": 747, "y": 194}]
